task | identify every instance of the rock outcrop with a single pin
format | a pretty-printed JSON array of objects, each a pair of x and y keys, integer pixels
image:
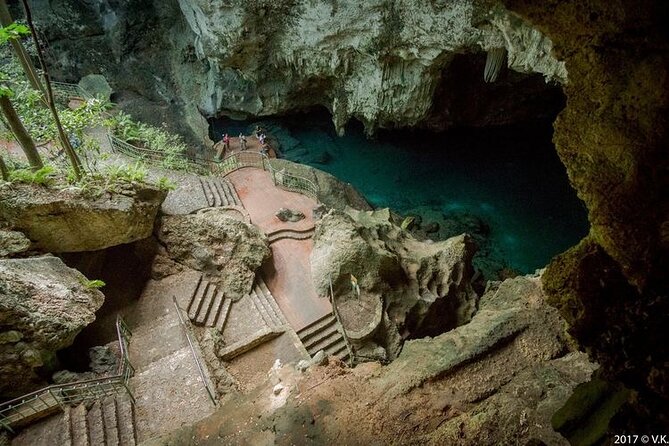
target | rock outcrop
[
  {"x": 613, "y": 288},
  {"x": 69, "y": 221},
  {"x": 227, "y": 250},
  {"x": 496, "y": 380},
  {"x": 386, "y": 63},
  {"x": 43, "y": 306},
  {"x": 13, "y": 242},
  {"x": 422, "y": 288}
]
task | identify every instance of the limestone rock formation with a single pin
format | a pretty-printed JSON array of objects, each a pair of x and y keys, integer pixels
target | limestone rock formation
[
  {"x": 386, "y": 63},
  {"x": 228, "y": 250},
  {"x": 612, "y": 137},
  {"x": 12, "y": 242},
  {"x": 43, "y": 306},
  {"x": 422, "y": 288},
  {"x": 69, "y": 221},
  {"x": 496, "y": 380}
]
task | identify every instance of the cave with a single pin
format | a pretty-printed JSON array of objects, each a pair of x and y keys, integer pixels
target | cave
[
  {"x": 555, "y": 165},
  {"x": 497, "y": 178}
]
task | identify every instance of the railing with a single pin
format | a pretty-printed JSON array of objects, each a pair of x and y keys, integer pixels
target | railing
[
  {"x": 67, "y": 91},
  {"x": 351, "y": 352},
  {"x": 229, "y": 164},
  {"x": 49, "y": 399},
  {"x": 205, "y": 381}
]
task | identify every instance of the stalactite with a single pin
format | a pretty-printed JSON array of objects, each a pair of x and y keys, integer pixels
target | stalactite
[{"x": 493, "y": 64}]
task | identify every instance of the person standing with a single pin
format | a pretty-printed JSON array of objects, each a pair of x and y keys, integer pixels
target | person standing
[
  {"x": 226, "y": 143},
  {"x": 242, "y": 142}
]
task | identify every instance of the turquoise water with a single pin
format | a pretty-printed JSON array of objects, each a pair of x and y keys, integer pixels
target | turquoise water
[{"x": 510, "y": 178}]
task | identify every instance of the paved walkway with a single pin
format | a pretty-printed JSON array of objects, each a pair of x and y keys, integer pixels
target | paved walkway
[{"x": 288, "y": 275}]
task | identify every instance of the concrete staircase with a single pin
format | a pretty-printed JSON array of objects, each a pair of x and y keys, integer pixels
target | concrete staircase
[
  {"x": 266, "y": 305},
  {"x": 208, "y": 306},
  {"x": 219, "y": 192},
  {"x": 324, "y": 334},
  {"x": 287, "y": 233},
  {"x": 108, "y": 422}
]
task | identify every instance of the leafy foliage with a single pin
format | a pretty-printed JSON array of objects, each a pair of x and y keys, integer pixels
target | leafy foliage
[
  {"x": 171, "y": 146},
  {"x": 43, "y": 177},
  {"x": 133, "y": 173},
  {"x": 13, "y": 31},
  {"x": 94, "y": 284}
]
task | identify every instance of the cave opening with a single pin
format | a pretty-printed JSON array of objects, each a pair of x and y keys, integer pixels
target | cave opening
[
  {"x": 493, "y": 172},
  {"x": 125, "y": 270}
]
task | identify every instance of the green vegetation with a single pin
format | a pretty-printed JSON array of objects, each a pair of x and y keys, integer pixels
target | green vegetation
[
  {"x": 169, "y": 147},
  {"x": 133, "y": 173},
  {"x": 94, "y": 284},
  {"x": 43, "y": 177}
]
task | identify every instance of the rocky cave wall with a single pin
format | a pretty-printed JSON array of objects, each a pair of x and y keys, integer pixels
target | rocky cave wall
[
  {"x": 612, "y": 136},
  {"x": 381, "y": 62}
]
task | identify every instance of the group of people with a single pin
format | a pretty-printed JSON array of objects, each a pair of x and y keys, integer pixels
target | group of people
[{"x": 223, "y": 146}]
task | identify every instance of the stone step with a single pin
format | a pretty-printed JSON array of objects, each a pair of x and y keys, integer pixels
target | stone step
[
  {"x": 231, "y": 193},
  {"x": 196, "y": 298},
  {"x": 292, "y": 234},
  {"x": 125, "y": 414},
  {"x": 231, "y": 351},
  {"x": 96, "y": 427},
  {"x": 264, "y": 301},
  {"x": 78, "y": 426},
  {"x": 316, "y": 327},
  {"x": 260, "y": 283},
  {"x": 206, "y": 304},
  {"x": 261, "y": 286},
  {"x": 215, "y": 309},
  {"x": 111, "y": 422},
  {"x": 223, "y": 314},
  {"x": 217, "y": 190},
  {"x": 323, "y": 341},
  {"x": 208, "y": 193},
  {"x": 261, "y": 309}
]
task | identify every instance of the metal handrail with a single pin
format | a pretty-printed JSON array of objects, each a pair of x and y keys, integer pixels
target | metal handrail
[
  {"x": 224, "y": 167},
  {"x": 47, "y": 398},
  {"x": 205, "y": 381},
  {"x": 70, "y": 90},
  {"x": 351, "y": 352}
]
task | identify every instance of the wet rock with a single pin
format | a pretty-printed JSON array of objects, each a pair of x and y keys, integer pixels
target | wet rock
[
  {"x": 68, "y": 221},
  {"x": 227, "y": 250},
  {"x": 47, "y": 304},
  {"x": 431, "y": 227},
  {"x": 104, "y": 360},
  {"x": 284, "y": 214}
]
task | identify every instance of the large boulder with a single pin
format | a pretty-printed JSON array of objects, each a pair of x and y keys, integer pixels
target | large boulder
[
  {"x": 43, "y": 306},
  {"x": 228, "y": 250},
  {"x": 69, "y": 220},
  {"x": 423, "y": 288}
]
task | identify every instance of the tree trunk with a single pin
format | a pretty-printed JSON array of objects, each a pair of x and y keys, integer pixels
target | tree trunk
[
  {"x": 64, "y": 140},
  {"x": 21, "y": 133},
  {"x": 3, "y": 170},
  {"x": 20, "y": 51}
]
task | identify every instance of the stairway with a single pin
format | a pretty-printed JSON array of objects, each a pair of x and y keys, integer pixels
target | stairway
[
  {"x": 219, "y": 192},
  {"x": 266, "y": 305},
  {"x": 324, "y": 334},
  {"x": 109, "y": 422},
  {"x": 208, "y": 306},
  {"x": 294, "y": 234}
]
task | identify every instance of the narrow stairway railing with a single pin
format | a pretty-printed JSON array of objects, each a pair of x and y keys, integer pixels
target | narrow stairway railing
[
  {"x": 285, "y": 180},
  {"x": 43, "y": 402},
  {"x": 68, "y": 91},
  {"x": 205, "y": 380},
  {"x": 351, "y": 351}
]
